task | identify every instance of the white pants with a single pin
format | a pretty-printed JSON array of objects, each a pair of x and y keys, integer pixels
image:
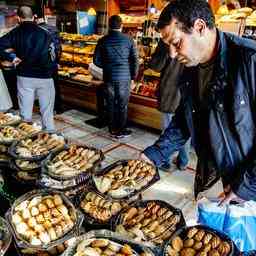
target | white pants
[{"x": 43, "y": 89}]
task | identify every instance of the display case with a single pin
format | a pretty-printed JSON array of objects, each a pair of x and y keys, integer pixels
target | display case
[{"x": 79, "y": 88}]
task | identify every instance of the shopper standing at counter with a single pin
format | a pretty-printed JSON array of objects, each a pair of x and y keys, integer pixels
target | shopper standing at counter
[
  {"x": 34, "y": 59},
  {"x": 116, "y": 54},
  {"x": 217, "y": 109}
]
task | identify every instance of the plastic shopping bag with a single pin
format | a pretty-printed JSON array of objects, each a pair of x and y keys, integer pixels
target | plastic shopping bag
[
  {"x": 238, "y": 221},
  {"x": 5, "y": 99}
]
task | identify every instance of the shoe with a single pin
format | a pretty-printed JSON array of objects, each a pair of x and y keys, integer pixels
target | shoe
[
  {"x": 182, "y": 167},
  {"x": 116, "y": 135},
  {"x": 126, "y": 133}
]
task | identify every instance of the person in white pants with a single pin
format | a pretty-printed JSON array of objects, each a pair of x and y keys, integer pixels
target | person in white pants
[{"x": 43, "y": 88}]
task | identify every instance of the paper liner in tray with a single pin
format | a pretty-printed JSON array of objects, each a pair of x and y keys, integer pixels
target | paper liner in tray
[
  {"x": 6, "y": 236},
  {"x": 86, "y": 174},
  {"x": 114, "y": 238},
  {"x": 128, "y": 190},
  {"x": 20, "y": 239},
  {"x": 103, "y": 203},
  {"x": 12, "y": 149},
  {"x": 204, "y": 241},
  {"x": 165, "y": 218}
]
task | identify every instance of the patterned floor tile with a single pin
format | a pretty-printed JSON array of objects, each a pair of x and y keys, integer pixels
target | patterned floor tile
[
  {"x": 144, "y": 140},
  {"x": 74, "y": 133},
  {"x": 123, "y": 152}
]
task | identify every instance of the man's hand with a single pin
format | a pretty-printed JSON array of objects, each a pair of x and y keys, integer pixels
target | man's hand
[
  {"x": 229, "y": 196},
  {"x": 133, "y": 85},
  {"x": 16, "y": 61},
  {"x": 145, "y": 158}
]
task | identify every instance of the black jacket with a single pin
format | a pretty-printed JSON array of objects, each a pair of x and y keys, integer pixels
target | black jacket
[
  {"x": 34, "y": 46},
  {"x": 117, "y": 55},
  {"x": 231, "y": 122},
  {"x": 168, "y": 93}
]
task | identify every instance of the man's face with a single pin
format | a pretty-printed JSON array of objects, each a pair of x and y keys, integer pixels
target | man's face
[{"x": 186, "y": 48}]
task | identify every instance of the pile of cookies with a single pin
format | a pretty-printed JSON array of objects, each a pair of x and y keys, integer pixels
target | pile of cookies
[
  {"x": 42, "y": 219},
  {"x": 150, "y": 222},
  {"x": 41, "y": 144},
  {"x": 99, "y": 208},
  {"x": 125, "y": 178},
  {"x": 198, "y": 242},
  {"x": 73, "y": 161},
  {"x": 103, "y": 247}
]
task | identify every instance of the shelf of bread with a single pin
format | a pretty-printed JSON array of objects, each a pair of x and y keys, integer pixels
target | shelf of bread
[
  {"x": 224, "y": 15},
  {"x": 78, "y": 37},
  {"x": 75, "y": 49},
  {"x": 75, "y": 58}
]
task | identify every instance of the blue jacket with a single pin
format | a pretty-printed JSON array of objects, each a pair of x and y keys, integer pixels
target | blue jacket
[
  {"x": 116, "y": 54},
  {"x": 34, "y": 46},
  {"x": 230, "y": 124}
]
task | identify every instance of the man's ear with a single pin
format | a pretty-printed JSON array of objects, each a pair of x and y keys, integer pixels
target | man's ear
[{"x": 199, "y": 26}]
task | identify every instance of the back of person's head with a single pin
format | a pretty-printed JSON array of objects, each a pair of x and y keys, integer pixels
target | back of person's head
[
  {"x": 25, "y": 13},
  {"x": 115, "y": 22},
  {"x": 186, "y": 12}
]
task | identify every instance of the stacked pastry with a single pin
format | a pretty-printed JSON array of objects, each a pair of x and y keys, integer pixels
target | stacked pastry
[
  {"x": 198, "y": 242},
  {"x": 9, "y": 133},
  {"x": 4, "y": 153},
  {"x": 8, "y": 118},
  {"x": 29, "y": 129},
  {"x": 124, "y": 179},
  {"x": 41, "y": 144},
  {"x": 152, "y": 222},
  {"x": 42, "y": 219},
  {"x": 73, "y": 161},
  {"x": 103, "y": 247},
  {"x": 99, "y": 208}
]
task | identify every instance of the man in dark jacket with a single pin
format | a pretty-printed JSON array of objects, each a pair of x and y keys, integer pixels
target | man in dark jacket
[
  {"x": 218, "y": 100},
  {"x": 169, "y": 94},
  {"x": 115, "y": 53},
  {"x": 34, "y": 59}
]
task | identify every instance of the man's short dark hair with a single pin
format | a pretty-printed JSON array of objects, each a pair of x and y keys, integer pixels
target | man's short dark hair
[
  {"x": 25, "y": 12},
  {"x": 187, "y": 12},
  {"x": 115, "y": 22}
]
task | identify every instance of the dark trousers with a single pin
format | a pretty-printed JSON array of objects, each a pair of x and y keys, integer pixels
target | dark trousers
[
  {"x": 118, "y": 93},
  {"x": 58, "y": 104}
]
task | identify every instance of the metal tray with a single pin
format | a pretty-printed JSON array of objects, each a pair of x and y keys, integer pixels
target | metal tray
[
  {"x": 143, "y": 204},
  {"x": 21, "y": 242},
  {"x": 7, "y": 238},
  {"x": 155, "y": 178},
  {"x": 12, "y": 149},
  {"x": 114, "y": 237},
  {"x": 84, "y": 175},
  {"x": 183, "y": 231}
]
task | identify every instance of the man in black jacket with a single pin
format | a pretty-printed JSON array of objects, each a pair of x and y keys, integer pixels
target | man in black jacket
[
  {"x": 34, "y": 59},
  {"x": 218, "y": 100},
  {"x": 115, "y": 53},
  {"x": 169, "y": 94}
]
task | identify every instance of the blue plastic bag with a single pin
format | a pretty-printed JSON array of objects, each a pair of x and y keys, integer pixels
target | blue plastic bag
[{"x": 237, "y": 221}]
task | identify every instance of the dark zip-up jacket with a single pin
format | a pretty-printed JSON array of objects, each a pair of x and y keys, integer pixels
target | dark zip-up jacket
[
  {"x": 116, "y": 54},
  {"x": 168, "y": 93},
  {"x": 34, "y": 46},
  {"x": 230, "y": 123}
]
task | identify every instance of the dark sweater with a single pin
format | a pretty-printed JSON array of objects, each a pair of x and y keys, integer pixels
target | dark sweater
[
  {"x": 34, "y": 46},
  {"x": 170, "y": 69},
  {"x": 116, "y": 54}
]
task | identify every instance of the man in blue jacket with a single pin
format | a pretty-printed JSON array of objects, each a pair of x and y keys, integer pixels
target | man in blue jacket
[
  {"x": 116, "y": 54},
  {"x": 218, "y": 99},
  {"x": 34, "y": 59}
]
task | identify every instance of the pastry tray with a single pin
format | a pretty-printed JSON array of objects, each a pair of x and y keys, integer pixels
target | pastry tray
[
  {"x": 183, "y": 231},
  {"x": 21, "y": 242},
  {"x": 12, "y": 150},
  {"x": 83, "y": 175},
  {"x": 15, "y": 121},
  {"x": 144, "y": 203},
  {"x": 97, "y": 224},
  {"x": 107, "y": 234},
  {"x": 7, "y": 236},
  {"x": 135, "y": 192}
]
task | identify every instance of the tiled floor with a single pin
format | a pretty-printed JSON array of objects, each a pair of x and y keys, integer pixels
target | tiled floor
[{"x": 175, "y": 187}]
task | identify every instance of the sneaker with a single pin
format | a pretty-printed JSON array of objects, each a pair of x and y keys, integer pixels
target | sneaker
[
  {"x": 116, "y": 135},
  {"x": 126, "y": 133},
  {"x": 165, "y": 167},
  {"x": 182, "y": 167}
]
